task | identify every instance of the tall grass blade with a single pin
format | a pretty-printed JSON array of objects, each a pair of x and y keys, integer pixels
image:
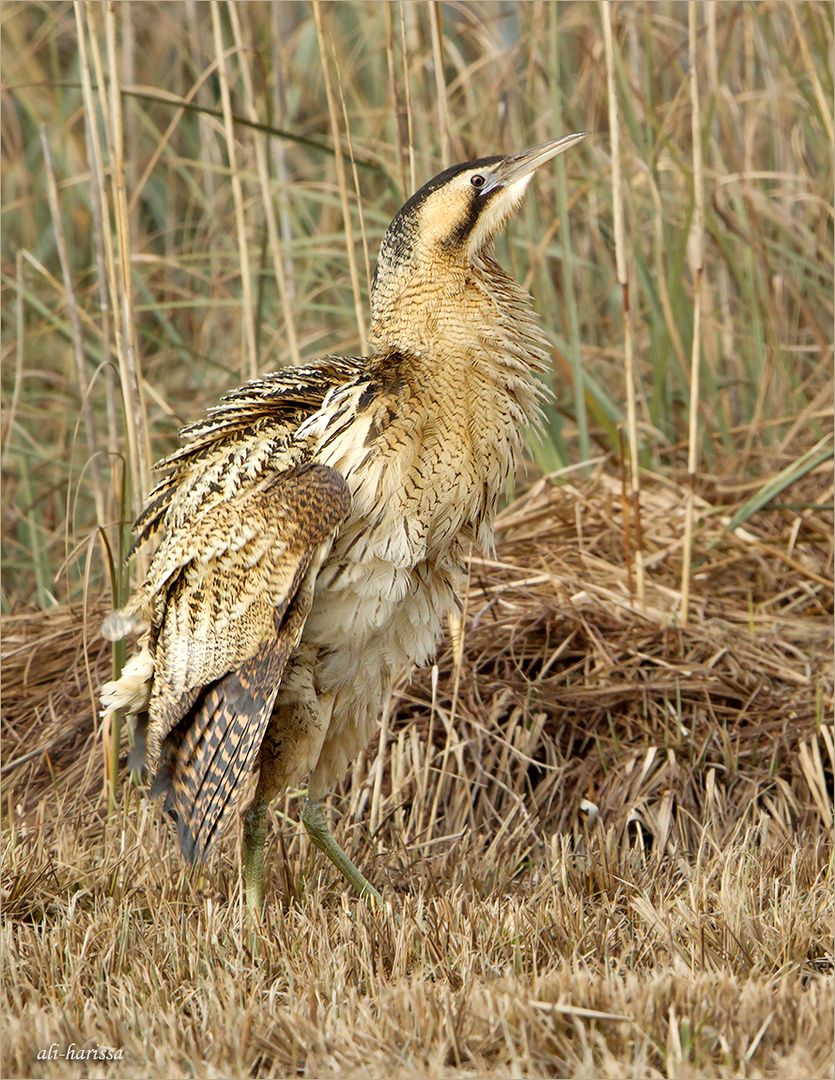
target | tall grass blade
[
  {"x": 697, "y": 259},
  {"x": 249, "y": 357},
  {"x": 623, "y": 282},
  {"x": 341, "y": 178},
  {"x": 776, "y": 485}
]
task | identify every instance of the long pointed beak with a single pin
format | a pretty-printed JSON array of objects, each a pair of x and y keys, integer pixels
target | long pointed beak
[{"x": 516, "y": 166}]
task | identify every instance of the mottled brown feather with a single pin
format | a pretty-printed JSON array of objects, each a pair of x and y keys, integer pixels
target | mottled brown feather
[
  {"x": 268, "y": 410},
  {"x": 314, "y": 525},
  {"x": 213, "y": 692},
  {"x": 222, "y": 735}
]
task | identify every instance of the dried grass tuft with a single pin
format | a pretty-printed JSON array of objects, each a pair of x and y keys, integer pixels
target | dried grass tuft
[
  {"x": 606, "y": 839},
  {"x": 566, "y": 694}
]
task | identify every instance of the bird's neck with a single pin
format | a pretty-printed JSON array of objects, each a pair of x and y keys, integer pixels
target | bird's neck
[{"x": 474, "y": 327}]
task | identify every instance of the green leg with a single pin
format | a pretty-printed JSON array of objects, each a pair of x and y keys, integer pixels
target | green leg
[
  {"x": 316, "y": 822},
  {"x": 255, "y": 838}
]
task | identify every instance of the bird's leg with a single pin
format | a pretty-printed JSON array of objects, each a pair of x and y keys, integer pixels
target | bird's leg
[
  {"x": 316, "y": 822},
  {"x": 255, "y": 838}
]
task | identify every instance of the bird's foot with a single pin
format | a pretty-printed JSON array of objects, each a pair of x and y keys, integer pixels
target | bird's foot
[{"x": 315, "y": 821}]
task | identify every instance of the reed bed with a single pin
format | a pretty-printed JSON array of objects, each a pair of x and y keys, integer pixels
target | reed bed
[
  {"x": 603, "y": 819},
  {"x": 606, "y": 840}
]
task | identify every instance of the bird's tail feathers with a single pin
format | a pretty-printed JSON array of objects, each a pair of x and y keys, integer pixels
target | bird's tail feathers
[
  {"x": 216, "y": 756},
  {"x": 206, "y": 759}
]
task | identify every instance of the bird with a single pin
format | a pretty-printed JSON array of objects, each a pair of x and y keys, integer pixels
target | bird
[{"x": 313, "y": 527}]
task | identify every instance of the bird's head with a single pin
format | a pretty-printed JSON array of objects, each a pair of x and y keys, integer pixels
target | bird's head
[{"x": 456, "y": 216}]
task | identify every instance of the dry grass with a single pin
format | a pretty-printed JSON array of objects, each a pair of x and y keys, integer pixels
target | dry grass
[
  {"x": 605, "y": 836},
  {"x": 216, "y": 286},
  {"x": 612, "y": 856}
]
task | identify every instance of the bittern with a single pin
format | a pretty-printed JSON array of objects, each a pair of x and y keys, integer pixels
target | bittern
[{"x": 315, "y": 524}]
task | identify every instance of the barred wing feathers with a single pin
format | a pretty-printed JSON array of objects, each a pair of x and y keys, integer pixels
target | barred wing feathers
[
  {"x": 246, "y": 430},
  {"x": 227, "y": 596}
]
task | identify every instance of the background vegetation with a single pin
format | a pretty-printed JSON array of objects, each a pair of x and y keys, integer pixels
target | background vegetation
[{"x": 604, "y": 819}]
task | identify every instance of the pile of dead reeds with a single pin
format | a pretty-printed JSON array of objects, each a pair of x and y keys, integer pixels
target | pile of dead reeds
[{"x": 566, "y": 707}]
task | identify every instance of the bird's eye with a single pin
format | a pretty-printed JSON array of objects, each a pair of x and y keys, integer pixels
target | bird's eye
[{"x": 478, "y": 181}]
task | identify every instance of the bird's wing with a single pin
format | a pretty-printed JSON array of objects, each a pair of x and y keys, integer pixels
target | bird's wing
[
  {"x": 226, "y": 596},
  {"x": 251, "y": 426}
]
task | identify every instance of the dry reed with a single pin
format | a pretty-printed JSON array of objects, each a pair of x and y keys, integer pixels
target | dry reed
[
  {"x": 606, "y": 836},
  {"x": 626, "y": 868}
]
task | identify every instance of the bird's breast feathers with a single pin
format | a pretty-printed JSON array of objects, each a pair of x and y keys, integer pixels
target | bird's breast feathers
[{"x": 421, "y": 473}]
